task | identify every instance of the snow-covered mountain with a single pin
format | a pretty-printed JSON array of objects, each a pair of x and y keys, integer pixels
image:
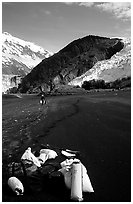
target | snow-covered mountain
[
  {"x": 118, "y": 66},
  {"x": 19, "y": 57}
]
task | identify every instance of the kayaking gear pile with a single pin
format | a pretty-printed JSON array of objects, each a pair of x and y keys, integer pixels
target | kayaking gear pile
[{"x": 40, "y": 169}]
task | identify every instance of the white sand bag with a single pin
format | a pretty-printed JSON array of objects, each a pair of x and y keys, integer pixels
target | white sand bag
[
  {"x": 16, "y": 185},
  {"x": 87, "y": 187},
  {"x": 76, "y": 185},
  {"x": 31, "y": 157},
  {"x": 51, "y": 153}
]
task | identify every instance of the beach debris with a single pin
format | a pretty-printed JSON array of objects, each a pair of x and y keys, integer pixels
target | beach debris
[
  {"x": 16, "y": 185},
  {"x": 29, "y": 156}
]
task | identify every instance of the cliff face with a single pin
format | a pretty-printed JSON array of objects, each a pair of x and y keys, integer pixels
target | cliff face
[{"x": 72, "y": 61}]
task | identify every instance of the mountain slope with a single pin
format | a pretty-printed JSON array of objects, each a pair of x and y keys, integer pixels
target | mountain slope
[
  {"x": 19, "y": 57},
  {"x": 118, "y": 66},
  {"x": 72, "y": 61}
]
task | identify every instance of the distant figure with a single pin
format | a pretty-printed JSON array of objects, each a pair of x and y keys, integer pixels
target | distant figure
[{"x": 42, "y": 101}]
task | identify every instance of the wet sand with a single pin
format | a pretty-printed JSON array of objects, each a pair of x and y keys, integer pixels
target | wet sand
[{"x": 96, "y": 124}]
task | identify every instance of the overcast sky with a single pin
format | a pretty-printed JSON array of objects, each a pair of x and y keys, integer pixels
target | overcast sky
[{"x": 53, "y": 25}]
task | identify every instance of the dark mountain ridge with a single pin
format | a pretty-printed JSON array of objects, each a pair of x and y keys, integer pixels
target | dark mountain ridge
[{"x": 70, "y": 62}]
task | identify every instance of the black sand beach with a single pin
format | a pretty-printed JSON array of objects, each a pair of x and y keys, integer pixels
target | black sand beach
[{"x": 96, "y": 124}]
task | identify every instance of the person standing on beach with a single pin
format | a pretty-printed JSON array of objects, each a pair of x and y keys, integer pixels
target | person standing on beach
[{"x": 42, "y": 101}]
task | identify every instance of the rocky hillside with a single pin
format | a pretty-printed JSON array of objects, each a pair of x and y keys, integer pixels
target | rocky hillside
[
  {"x": 19, "y": 57},
  {"x": 72, "y": 61},
  {"x": 117, "y": 67}
]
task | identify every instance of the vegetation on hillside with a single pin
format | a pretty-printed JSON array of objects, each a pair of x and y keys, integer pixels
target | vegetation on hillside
[
  {"x": 87, "y": 85},
  {"x": 101, "y": 84}
]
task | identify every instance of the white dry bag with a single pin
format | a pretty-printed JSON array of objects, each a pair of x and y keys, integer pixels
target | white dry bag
[
  {"x": 28, "y": 155},
  {"x": 76, "y": 185},
  {"x": 51, "y": 154}
]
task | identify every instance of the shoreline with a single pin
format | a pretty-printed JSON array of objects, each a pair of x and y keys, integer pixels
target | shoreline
[{"x": 96, "y": 124}]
